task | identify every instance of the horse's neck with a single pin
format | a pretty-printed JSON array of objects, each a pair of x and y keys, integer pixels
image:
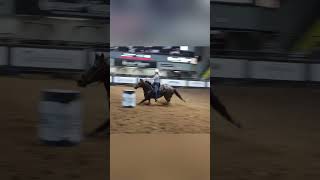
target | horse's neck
[
  {"x": 105, "y": 75},
  {"x": 146, "y": 87},
  {"x": 106, "y": 80},
  {"x": 106, "y": 85}
]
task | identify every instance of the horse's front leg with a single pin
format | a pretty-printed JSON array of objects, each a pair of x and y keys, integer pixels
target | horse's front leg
[
  {"x": 142, "y": 101},
  {"x": 105, "y": 127}
]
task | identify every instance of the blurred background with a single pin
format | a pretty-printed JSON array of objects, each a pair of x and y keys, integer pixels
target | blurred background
[
  {"x": 34, "y": 34},
  {"x": 46, "y": 44},
  {"x": 265, "y": 68},
  {"x": 265, "y": 29},
  {"x": 177, "y": 62},
  {"x": 154, "y": 23}
]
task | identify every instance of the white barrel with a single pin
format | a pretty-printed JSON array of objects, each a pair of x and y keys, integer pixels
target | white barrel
[
  {"x": 128, "y": 98},
  {"x": 60, "y": 117}
]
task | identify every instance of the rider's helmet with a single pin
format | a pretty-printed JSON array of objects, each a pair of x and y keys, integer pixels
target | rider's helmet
[{"x": 156, "y": 71}]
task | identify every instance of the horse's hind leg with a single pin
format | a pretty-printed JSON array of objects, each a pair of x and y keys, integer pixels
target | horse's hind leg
[
  {"x": 168, "y": 99},
  {"x": 104, "y": 127}
]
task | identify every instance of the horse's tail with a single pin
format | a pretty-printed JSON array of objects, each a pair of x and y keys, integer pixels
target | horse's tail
[
  {"x": 218, "y": 106},
  {"x": 178, "y": 94}
]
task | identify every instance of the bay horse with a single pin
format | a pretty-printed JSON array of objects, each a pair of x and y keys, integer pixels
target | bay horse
[
  {"x": 99, "y": 72},
  {"x": 221, "y": 109},
  {"x": 165, "y": 90}
]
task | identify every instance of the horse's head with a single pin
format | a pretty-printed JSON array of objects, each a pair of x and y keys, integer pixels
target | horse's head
[
  {"x": 140, "y": 84},
  {"x": 97, "y": 72}
]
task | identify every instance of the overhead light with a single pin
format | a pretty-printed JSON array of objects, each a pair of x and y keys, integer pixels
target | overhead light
[{"x": 184, "y": 48}]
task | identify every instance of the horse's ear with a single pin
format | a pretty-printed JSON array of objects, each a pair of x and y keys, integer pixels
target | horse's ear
[
  {"x": 101, "y": 59},
  {"x": 96, "y": 60},
  {"x": 141, "y": 80}
]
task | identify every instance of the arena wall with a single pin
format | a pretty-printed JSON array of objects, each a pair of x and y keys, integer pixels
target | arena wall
[{"x": 260, "y": 69}]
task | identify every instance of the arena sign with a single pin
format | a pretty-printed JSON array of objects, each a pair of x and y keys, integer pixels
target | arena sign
[
  {"x": 196, "y": 84},
  {"x": 75, "y": 8},
  {"x": 174, "y": 82},
  {"x": 182, "y": 60},
  {"x": 175, "y": 66},
  {"x": 140, "y": 57},
  {"x": 135, "y": 63},
  {"x": 48, "y": 58},
  {"x": 125, "y": 80}
]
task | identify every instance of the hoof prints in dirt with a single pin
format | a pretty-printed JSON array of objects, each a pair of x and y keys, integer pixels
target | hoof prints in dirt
[{"x": 160, "y": 117}]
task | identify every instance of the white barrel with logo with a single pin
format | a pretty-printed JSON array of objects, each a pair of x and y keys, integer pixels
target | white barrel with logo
[
  {"x": 129, "y": 98},
  {"x": 60, "y": 117}
]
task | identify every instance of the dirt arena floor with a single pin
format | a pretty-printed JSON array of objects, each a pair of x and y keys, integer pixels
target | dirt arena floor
[
  {"x": 178, "y": 117},
  {"x": 280, "y": 138},
  {"x": 23, "y": 157},
  {"x": 160, "y": 157}
]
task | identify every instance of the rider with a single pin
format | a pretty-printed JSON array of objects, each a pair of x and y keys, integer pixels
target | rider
[{"x": 156, "y": 84}]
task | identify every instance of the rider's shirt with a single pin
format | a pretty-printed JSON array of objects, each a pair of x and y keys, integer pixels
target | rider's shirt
[{"x": 156, "y": 78}]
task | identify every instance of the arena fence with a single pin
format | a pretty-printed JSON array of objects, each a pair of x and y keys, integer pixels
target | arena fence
[
  {"x": 266, "y": 69},
  {"x": 172, "y": 82},
  {"x": 66, "y": 61}
]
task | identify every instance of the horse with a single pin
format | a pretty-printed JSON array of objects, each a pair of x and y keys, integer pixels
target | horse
[
  {"x": 221, "y": 109},
  {"x": 165, "y": 90},
  {"x": 99, "y": 72}
]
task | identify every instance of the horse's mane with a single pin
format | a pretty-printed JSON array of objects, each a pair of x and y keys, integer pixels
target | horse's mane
[{"x": 148, "y": 82}]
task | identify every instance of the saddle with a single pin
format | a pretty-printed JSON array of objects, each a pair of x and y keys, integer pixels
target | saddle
[
  {"x": 154, "y": 88},
  {"x": 159, "y": 90}
]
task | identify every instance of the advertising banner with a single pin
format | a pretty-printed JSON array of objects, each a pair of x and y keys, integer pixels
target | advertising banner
[
  {"x": 48, "y": 58},
  {"x": 135, "y": 63},
  {"x": 196, "y": 84},
  {"x": 174, "y": 82},
  {"x": 176, "y": 66},
  {"x": 129, "y": 80}
]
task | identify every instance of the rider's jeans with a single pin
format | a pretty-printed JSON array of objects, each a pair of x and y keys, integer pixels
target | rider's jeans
[{"x": 156, "y": 89}]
